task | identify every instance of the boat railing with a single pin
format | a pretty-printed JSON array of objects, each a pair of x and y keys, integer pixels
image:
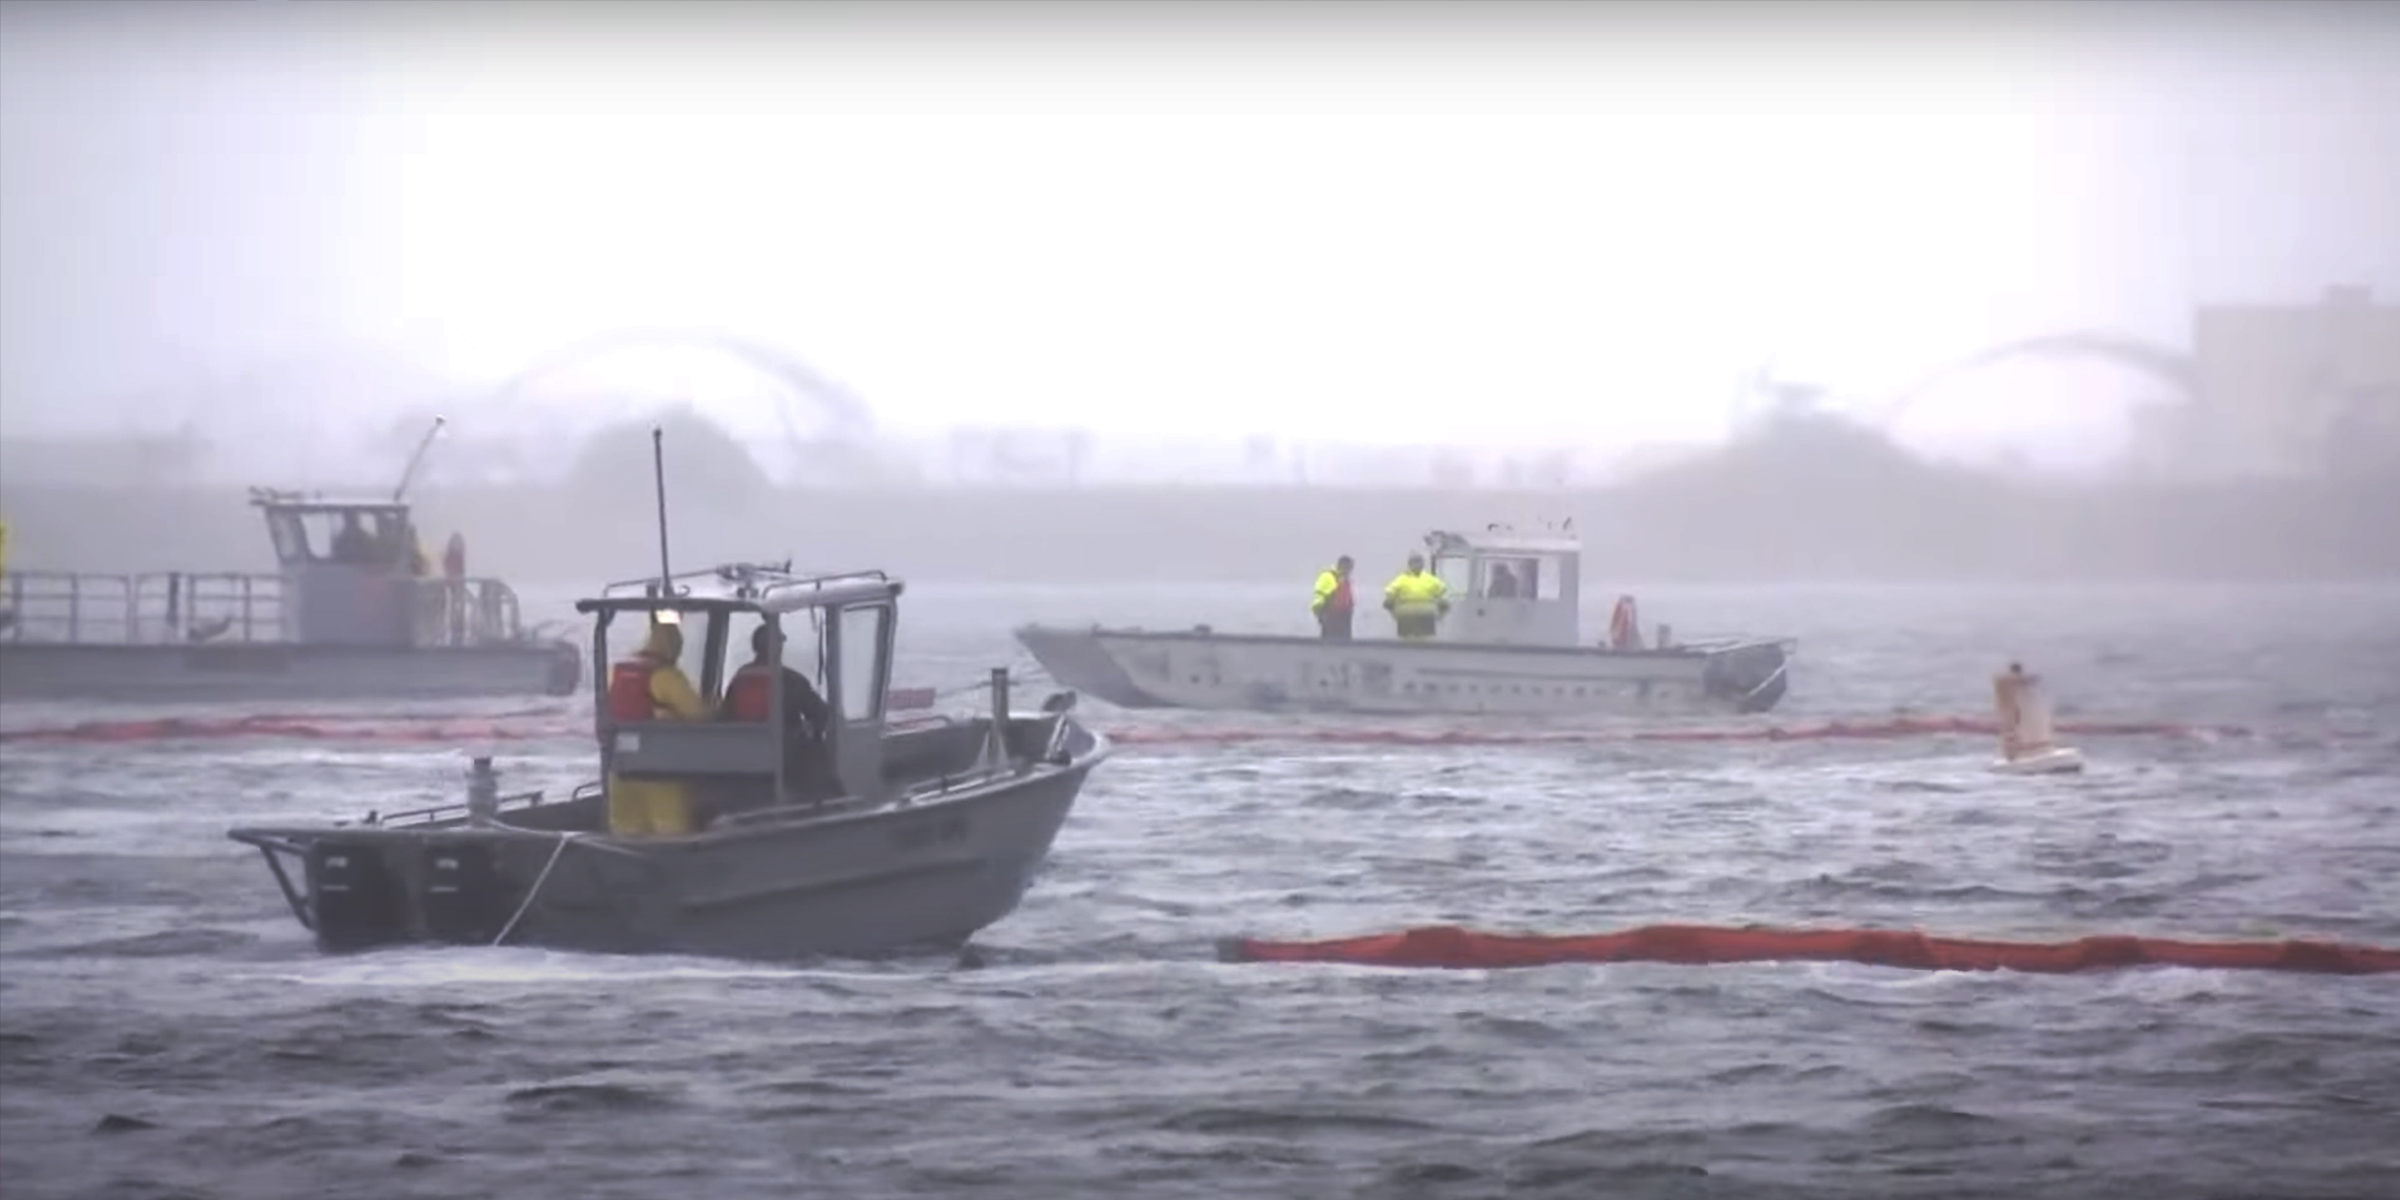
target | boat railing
[
  {"x": 475, "y": 611},
  {"x": 1734, "y": 641},
  {"x": 173, "y": 607},
  {"x": 449, "y": 810},
  {"x": 743, "y": 579}
]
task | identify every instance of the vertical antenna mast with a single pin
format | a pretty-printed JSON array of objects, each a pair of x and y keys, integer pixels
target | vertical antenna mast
[
  {"x": 409, "y": 474},
  {"x": 658, "y": 475}
]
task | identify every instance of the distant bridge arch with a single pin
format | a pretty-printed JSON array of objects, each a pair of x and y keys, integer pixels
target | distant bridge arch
[
  {"x": 842, "y": 416},
  {"x": 2162, "y": 363}
]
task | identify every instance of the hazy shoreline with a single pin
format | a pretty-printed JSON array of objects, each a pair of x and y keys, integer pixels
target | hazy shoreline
[{"x": 1664, "y": 531}]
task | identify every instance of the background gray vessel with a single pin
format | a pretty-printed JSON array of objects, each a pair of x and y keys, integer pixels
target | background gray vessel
[{"x": 353, "y": 612}]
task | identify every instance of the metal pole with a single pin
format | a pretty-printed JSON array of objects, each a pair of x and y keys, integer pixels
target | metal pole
[
  {"x": 408, "y": 474},
  {"x": 483, "y": 792},
  {"x": 783, "y": 734},
  {"x": 999, "y": 740},
  {"x": 658, "y": 474}
]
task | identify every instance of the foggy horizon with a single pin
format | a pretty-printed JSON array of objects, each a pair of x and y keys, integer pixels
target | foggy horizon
[
  {"x": 1522, "y": 227},
  {"x": 1428, "y": 598},
  {"x": 1420, "y": 248}
]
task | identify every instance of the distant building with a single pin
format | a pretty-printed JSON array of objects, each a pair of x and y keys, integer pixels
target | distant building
[{"x": 2291, "y": 390}]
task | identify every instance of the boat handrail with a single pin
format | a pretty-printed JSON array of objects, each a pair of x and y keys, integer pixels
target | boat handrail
[
  {"x": 204, "y": 608},
  {"x": 721, "y": 572},
  {"x": 1734, "y": 641},
  {"x": 735, "y": 573},
  {"x": 827, "y": 591},
  {"x": 433, "y": 814},
  {"x": 160, "y": 607},
  {"x": 765, "y": 587},
  {"x": 478, "y": 610}
]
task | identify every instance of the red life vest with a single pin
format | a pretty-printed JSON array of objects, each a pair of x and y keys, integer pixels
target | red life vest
[
  {"x": 629, "y": 691},
  {"x": 1341, "y": 601},
  {"x": 747, "y": 697}
]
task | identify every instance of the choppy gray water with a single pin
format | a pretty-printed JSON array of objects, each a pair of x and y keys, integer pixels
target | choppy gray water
[{"x": 152, "y": 973}]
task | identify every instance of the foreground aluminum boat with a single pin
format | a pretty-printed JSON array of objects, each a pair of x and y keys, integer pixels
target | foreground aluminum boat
[{"x": 869, "y": 841}]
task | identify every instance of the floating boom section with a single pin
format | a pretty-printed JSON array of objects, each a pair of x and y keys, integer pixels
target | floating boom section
[{"x": 1448, "y": 946}]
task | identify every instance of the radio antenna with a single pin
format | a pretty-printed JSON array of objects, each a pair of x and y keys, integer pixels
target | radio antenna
[
  {"x": 658, "y": 475},
  {"x": 409, "y": 474}
]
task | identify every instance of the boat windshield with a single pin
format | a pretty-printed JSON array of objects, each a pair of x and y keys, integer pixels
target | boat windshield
[
  {"x": 1529, "y": 577},
  {"x": 803, "y": 643},
  {"x": 1456, "y": 571}
]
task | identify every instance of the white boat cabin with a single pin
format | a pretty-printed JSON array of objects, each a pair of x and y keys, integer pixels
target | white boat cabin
[
  {"x": 1509, "y": 587},
  {"x": 836, "y": 630}
]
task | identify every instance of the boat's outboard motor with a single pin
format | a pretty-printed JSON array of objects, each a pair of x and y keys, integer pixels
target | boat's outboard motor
[
  {"x": 354, "y": 898},
  {"x": 463, "y": 901}
]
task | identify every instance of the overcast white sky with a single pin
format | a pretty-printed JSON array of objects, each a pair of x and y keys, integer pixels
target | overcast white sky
[{"x": 1384, "y": 222}]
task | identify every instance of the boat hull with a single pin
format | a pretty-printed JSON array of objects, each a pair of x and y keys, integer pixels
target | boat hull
[
  {"x": 33, "y": 672},
  {"x": 1265, "y": 673},
  {"x": 927, "y": 874}
]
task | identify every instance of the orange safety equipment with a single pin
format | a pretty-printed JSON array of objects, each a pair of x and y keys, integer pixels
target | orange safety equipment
[
  {"x": 1334, "y": 594},
  {"x": 629, "y": 691},
  {"x": 1624, "y": 629},
  {"x": 747, "y": 697}
]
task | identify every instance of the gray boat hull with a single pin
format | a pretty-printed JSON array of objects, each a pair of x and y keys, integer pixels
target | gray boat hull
[
  {"x": 842, "y": 879},
  {"x": 1135, "y": 668},
  {"x": 242, "y": 672}
]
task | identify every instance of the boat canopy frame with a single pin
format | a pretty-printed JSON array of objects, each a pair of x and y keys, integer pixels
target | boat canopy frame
[{"x": 745, "y": 750}]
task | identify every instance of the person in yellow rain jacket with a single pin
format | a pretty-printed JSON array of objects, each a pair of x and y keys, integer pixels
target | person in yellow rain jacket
[
  {"x": 1334, "y": 604},
  {"x": 650, "y": 686},
  {"x": 1417, "y": 600}
]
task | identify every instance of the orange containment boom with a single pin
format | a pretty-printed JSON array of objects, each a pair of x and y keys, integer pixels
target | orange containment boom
[{"x": 1452, "y": 947}]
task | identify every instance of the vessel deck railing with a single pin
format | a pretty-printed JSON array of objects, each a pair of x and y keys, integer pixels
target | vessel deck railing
[
  {"x": 220, "y": 607},
  {"x": 467, "y": 612},
  {"x": 80, "y": 608},
  {"x": 731, "y": 579}
]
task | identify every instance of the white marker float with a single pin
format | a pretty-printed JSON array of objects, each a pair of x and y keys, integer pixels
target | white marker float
[{"x": 2028, "y": 743}]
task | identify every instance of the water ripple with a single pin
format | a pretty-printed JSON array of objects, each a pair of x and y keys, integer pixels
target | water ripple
[{"x": 165, "y": 1029}]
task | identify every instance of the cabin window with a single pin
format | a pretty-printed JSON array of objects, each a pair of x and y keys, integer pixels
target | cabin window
[
  {"x": 364, "y": 537},
  {"x": 1527, "y": 577},
  {"x": 1458, "y": 574},
  {"x": 859, "y": 675},
  {"x": 803, "y": 644},
  {"x": 291, "y": 537},
  {"x": 694, "y": 659}
]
